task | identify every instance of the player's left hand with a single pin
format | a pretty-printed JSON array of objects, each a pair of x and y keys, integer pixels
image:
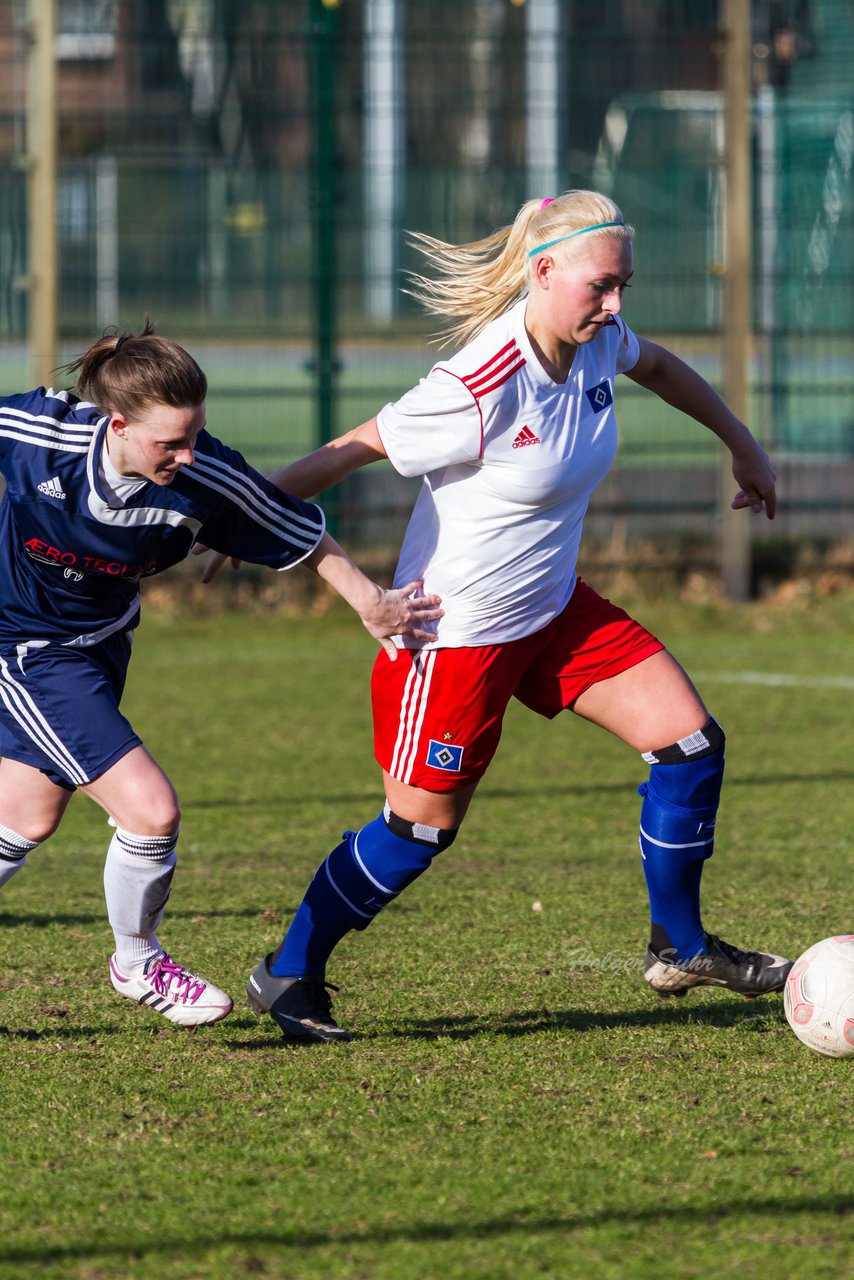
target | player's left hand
[
  {"x": 401, "y": 612},
  {"x": 757, "y": 479}
]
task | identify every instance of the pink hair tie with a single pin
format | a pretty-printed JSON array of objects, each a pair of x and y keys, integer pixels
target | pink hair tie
[{"x": 547, "y": 200}]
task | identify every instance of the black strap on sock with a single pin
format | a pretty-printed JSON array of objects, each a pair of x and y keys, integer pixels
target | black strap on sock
[
  {"x": 702, "y": 743},
  {"x": 434, "y": 837}
]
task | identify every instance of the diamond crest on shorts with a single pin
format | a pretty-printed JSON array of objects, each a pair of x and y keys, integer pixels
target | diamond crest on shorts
[{"x": 441, "y": 755}]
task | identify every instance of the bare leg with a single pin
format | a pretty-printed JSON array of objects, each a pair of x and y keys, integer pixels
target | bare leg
[
  {"x": 31, "y": 808},
  {"x": 29, "y": 802},
  {"x": 137, "y": 795},
  {"x": 648, "y": 706},
  {"x": 444, "y": 809}
]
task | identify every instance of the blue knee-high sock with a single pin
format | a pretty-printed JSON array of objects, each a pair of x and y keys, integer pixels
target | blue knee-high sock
[
  {"x": 350, "y": 887},
  {"x": 677, "y": 835}
]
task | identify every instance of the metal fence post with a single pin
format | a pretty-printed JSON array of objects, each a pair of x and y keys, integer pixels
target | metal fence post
[
  {"x": 383, "y": 143},
  {"x": 41, "y": 190},
  {"x": 737, "y": 325},
  {"x": 323, "y": 30},
  {"x": 546, "y": 98}
]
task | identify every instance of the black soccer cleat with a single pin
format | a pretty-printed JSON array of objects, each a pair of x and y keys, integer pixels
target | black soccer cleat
[
  {"x": 750, "y": 973},
  {"x": 300, "y": 1007}
]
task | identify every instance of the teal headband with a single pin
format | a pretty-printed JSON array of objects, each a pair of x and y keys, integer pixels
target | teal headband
[{"x": 597, "y": 226}]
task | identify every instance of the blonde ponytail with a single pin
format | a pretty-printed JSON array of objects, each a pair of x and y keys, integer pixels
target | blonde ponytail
[{"x": 473, "y": 284}]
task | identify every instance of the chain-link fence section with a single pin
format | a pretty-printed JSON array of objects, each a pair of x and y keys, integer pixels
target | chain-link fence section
[{"x": 245, "y": 171}]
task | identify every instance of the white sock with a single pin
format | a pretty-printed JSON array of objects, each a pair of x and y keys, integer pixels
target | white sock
[
  {"x": 137, "y": 880},
  {"x": 13, "y": 853}
]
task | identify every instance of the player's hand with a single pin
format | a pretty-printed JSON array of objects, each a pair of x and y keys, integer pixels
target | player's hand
[
  {"x": 757, "y": 480},
  {"x": 401, "y": 612},
  {"x": 215, "y": 562}
]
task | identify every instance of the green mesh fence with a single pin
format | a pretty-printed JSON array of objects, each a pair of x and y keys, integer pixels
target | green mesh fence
[{"x": 245, "y": 172}]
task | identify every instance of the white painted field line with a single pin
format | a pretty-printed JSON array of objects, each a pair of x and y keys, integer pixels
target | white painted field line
[{"x": 776, "y": 679}]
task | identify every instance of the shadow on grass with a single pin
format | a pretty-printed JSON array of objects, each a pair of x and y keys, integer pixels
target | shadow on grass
[
  {"x": 8, "y": 921},
  {"x": 617, "y": 788},
  {"x": 59, "y": 1033},
  {"x": 520, "y": 1223},
  {"x": 534, "y": 791},
  {"x": 717, "y": 1013}
]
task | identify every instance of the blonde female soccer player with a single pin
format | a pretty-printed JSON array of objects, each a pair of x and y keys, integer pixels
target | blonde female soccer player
[
  {"x": 103, "y": 488},
  {"x": 511, "y": 436}
]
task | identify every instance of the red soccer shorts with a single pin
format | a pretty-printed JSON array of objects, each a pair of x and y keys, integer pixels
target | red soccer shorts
[{"x": 438, "y": 712}]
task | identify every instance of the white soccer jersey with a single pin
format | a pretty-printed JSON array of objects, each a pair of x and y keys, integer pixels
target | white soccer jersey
[{"x": 509, "y": 459}]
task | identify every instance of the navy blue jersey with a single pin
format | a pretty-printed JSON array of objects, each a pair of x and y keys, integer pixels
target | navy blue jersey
[{"x": 72, "y": 554}]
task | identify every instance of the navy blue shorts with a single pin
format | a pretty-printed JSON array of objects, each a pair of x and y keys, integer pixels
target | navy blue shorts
[{"x": 59, "y": 709}]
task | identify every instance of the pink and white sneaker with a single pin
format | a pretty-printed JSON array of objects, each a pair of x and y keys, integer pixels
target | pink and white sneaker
[{"x": 172, "y": 990}]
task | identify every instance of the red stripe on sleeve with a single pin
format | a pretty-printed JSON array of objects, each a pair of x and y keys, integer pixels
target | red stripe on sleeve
[
  {"x": 482, "y": 390},
  {"x": 504, "y": 350}
]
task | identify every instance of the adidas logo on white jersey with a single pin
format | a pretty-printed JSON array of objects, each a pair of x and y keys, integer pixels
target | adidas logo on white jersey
[
  {"x": 52, "y": 488},
  {"x": 525, "y": 436}
]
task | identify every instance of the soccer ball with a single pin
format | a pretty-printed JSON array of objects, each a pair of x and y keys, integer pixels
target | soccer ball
[{"x": 819, "y": 997}]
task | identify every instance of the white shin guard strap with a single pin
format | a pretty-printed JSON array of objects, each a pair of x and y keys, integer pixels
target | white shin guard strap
[
  {"x": 14, "y": 847},
  {"x": 13, "y": 852},
  {"x": 146, "y": 846}
]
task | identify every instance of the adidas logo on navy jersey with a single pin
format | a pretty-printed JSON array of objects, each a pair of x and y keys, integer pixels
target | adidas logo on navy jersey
[
  {"x": 525, "y": 436},
  {"x": 52, "y": 488}
]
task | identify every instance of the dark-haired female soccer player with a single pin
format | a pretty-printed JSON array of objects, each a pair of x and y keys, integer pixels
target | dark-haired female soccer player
[{"x": 103, "y": 488}]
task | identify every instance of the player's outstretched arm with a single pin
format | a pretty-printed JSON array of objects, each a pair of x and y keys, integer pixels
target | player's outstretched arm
[
  {"x": 675, "y": 382},
  {"x": 401, "y": 612},
  {"x": 332, "y": 462},
  {"x": 308, "y": 476}
]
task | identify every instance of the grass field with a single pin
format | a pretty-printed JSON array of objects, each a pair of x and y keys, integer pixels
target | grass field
[{"x": 516, "y": 1103}]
